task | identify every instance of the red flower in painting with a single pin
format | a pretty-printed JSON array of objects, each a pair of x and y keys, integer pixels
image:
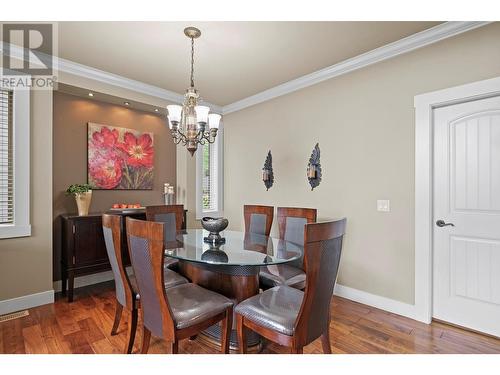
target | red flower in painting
[
  {"x": 105, "y": 138},
  {"x": 139, "y": 150},
  {"x": 106, "y": 170}
]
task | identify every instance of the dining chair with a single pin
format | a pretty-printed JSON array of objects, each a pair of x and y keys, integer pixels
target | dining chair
[
  {"x": 172, "y": 216},
  {"x": 127, "y": 294},
  {"x": 175, "y": 313},
  {"x": 258, "y": 219},
  {"x": 289, "y": 316},
  {"x": 291, "y": 222}
]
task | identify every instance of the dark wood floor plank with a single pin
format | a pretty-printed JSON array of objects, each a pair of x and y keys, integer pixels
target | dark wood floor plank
[
  {"x": 90, "y": 330},
  {"x": 53, "y": 337},
  {"x": 13, "y": 342},
  {"x": 78, "y": 343},
  {"x": 85, "y": 327},
  {"x": 33, "y": 340},
  {"x": 65, "y": 319}
]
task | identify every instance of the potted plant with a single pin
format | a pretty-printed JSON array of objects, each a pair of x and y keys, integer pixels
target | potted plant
[{"x": 83, "y": 195}]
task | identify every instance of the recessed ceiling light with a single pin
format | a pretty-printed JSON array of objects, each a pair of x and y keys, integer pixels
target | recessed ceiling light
[
  {"x": 91, "y": 94},
  {"x": 127, "y": 103},
  {"x": 156, "y": 109}
]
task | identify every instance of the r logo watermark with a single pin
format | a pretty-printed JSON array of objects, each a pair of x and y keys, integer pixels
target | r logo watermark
[{"x": 27, "y": 55}]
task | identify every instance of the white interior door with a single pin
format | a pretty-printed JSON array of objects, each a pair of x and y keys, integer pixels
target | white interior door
[{"x": 466, "y": 256}]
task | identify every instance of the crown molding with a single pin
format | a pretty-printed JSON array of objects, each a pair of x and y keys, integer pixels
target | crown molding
[
  {"x": 102, "y": 76},
  {"x": 410, "y": 43}
]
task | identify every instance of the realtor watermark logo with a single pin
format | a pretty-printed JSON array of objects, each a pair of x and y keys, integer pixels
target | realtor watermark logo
[{"x": 27, "y": 56}]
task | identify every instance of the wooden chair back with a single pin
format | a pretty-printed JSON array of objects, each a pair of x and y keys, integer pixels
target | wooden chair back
[
  {"x": 170, "y": 215},
  {"x": 145, "y": 243},
  {"x": 322, "y": 250},
  {"x": 258, "y": 219},
  {"x": 292, "y": 224},
  {"x": 112, "y": 228}
]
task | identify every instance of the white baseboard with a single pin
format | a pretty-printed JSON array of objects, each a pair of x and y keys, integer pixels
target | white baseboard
[
  {"x": 383, "y": 303},
  {"x": 80, "y": 281},
  {"x": 26, "y": 302},
  {"x": 92, "y": 279}
]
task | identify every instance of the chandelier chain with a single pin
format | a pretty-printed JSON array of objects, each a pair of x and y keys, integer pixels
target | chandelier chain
[{"x": 192, "y": 62}]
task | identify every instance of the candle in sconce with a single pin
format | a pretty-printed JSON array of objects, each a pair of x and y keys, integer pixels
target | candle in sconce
[
  {"x": 265, "y": 175},
  {"x": 165, "y": 188},
  {"x": 311, "y": 171}
]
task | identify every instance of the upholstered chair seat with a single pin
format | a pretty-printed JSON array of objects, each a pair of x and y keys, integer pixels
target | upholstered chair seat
[
  {"x": 282, "y": 274},
  {"x": 276, "y": 308},
  {"x": 172, "y": 263},
  {"x": 171, "y": 279},
  {"x": 192, "y": 304}
]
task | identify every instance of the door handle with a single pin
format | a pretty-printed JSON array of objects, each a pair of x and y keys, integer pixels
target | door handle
[{"x": 441, "y": 223}]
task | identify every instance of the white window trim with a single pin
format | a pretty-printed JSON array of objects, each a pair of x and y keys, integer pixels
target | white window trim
[
  {"x": 220, "y": 182},
  {"x": 21, "y": 153}
]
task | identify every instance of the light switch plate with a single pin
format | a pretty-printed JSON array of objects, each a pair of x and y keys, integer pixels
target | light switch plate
[{"x": 383, "y": 205}]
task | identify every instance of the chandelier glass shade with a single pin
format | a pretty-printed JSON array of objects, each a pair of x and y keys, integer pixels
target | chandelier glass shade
[{"x": 192, "y": 124}]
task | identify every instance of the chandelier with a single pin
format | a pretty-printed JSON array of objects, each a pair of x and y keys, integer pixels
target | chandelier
[{"x": 188, "y": 123}]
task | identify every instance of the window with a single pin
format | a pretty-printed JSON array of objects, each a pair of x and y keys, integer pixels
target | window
[
  {"x": 6, "y": 158},
  {"x": 209, "y": 178},
  {"x": 14, "y": 163}
]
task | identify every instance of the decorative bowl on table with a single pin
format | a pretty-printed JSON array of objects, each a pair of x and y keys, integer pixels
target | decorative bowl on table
[{"x": 214, "y": 225}]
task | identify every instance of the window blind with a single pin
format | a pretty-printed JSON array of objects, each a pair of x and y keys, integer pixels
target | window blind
[
  {"x": 209, "y": 174},
  {"x": 6, "y": 158}
]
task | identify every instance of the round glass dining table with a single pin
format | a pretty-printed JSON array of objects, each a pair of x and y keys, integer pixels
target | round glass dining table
[
  {"x": 231, "y": 268},
  {"x": 240, "y": 249}
]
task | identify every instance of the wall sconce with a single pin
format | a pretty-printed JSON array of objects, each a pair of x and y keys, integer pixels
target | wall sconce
[
  {"x": 314, "y": 168},
  {"x": 267, "y": 171}
]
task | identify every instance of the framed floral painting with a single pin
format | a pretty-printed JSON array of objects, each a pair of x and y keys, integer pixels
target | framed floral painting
[{"x": 119, "y": 158}]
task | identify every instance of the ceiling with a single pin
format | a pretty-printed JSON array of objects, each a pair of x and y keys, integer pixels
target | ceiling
[{"x": 233, "y": 60}]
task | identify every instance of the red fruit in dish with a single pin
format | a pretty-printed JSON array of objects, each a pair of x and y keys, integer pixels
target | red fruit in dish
[
  {"x": 137, "y": 205},
  {"x": 116, "y": 205},
  {"x": 123, "y": 205}
]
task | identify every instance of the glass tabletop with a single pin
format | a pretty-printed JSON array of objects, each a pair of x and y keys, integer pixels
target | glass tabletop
[{"x": 240, "y": 249}]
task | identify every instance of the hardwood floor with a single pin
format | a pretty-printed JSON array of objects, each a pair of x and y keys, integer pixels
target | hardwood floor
[{"x": 84, "y": 327}]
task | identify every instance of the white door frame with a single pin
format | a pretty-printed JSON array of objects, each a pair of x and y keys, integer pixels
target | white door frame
[{"x": 424, "y": 133}]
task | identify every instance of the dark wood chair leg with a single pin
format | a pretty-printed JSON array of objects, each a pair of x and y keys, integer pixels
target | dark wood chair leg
[
  {"x": 64, "y": 280},
  {"x": 297, "y": 350},
  {"x": 132, "y": 329},
  {"x": 146, "y": 337},
  {"x": 240, "y": 328},
  {"x": 325, "y": 342},
  {"x": 325, "y": 337},
  {"x": 226, "y": 327},
  {"x": 71, "y": 285},
  {"x": 175, "y": 347},
  {"x": 118, "y": 317}
]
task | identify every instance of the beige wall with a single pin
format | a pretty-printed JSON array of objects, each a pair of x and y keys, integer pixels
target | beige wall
[
  {"x": 71, "y": 115},
  {"x": 26, "y": 263},
  {"x": 364, "y": 123}
]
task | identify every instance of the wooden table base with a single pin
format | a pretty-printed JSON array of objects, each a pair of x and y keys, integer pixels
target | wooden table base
[{"x": 236, "y": 283}]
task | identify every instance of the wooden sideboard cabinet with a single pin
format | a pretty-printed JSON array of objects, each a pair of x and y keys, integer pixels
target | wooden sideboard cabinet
[{"x": 84, "y": 249}]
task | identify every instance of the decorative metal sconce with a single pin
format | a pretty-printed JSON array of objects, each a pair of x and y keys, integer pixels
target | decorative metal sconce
[
  {"x": 267, "y": 171},
  {"x": 314, "y": 168}
]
